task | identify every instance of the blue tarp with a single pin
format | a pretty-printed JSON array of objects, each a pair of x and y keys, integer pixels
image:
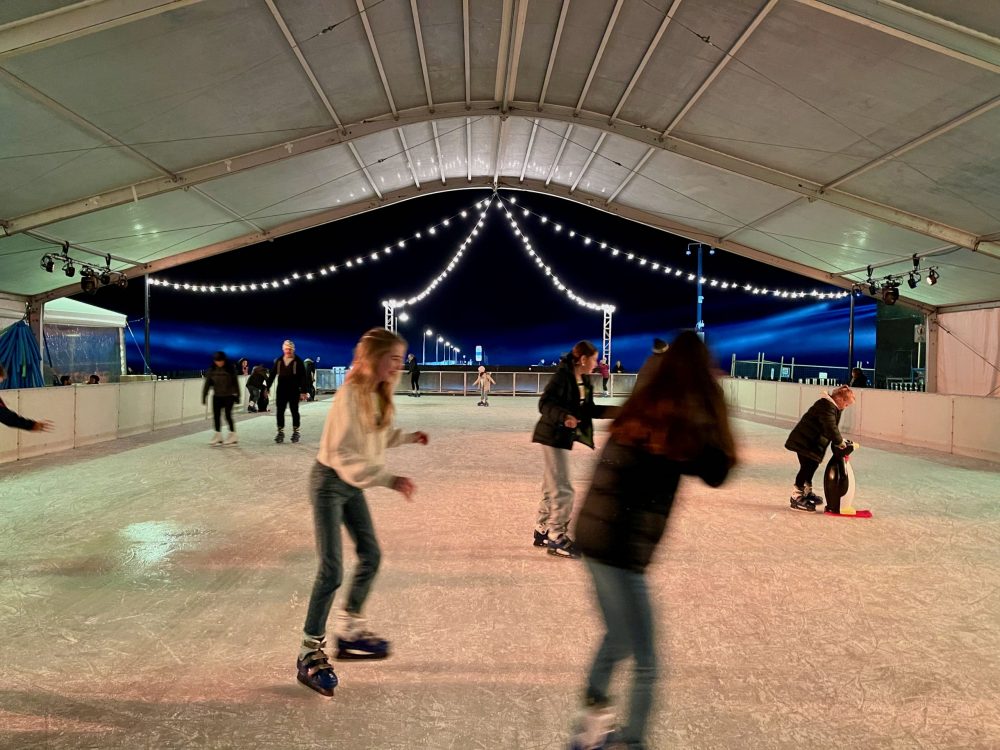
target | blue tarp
[{"x": 20, "y": 357}]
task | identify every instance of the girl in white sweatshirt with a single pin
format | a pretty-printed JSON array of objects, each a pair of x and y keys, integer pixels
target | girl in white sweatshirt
[{"x": 351, "y": 458}]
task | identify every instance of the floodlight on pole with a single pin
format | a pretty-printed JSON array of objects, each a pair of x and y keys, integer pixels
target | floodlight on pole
[{"x": 423, "y": 345}]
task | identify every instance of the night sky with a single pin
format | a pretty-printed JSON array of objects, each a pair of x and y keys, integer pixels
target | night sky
[{"x": 495, "y": 297}]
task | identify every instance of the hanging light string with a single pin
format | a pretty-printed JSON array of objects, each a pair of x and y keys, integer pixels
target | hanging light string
[
  {"x": 483, "y": 207},
  {"x": 662, "y": 268},
  {"x": 545, "y": 267},
  {"x": 322, "y": 271}
]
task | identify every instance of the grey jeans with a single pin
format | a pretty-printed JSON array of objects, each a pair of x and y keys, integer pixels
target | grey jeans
[
  {"x": 336, "y": 502},
  {"x": 557, "y": 493}
]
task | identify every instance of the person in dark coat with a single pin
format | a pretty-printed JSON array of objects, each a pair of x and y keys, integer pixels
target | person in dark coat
[
  {"x": 311, "y": 372},
  {"x": 677, "y": 424},
  {"x": 858, "y": 378},
  {"x": 809, "y": 439},
  {"x": 413, "y": 367},
  {"x": 289, "y": 374},
  {"x": 256, "y": 384},
  {"x": 568, "y": 410},
  {"x": 221, "y": 378},
  {"x": 13, "y": 419}
]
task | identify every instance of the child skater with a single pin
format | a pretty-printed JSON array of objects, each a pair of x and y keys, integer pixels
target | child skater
[
  {"x": 221, "y": 377},
  {"x": 568, "y": 410},
  {"x": 13, "y": 419},
  {"x": 675, "y": 424},
  {"x": 351, "y": 458},
  {"x": 809, "y": 439},
  {"x": 483, "y": 382}
]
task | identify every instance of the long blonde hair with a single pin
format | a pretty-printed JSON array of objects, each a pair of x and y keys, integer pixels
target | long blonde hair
[{"x": 371, "y": 347}]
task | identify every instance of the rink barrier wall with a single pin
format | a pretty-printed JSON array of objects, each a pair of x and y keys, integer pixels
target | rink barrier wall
[
  {"x": 962, "y": 425},
  {"x": 88, "y": 414}
]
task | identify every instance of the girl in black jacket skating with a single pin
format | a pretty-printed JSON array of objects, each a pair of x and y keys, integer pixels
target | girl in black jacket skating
[
  {"x": 221, "y": 378},
  {"x": 676, "y": 423},
  {"x": 568, "y": 410}
]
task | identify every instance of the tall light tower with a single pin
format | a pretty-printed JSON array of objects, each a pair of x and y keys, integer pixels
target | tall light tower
[
  {"x": 699, "y": 326},
  {"x": 423, "y": 353}
]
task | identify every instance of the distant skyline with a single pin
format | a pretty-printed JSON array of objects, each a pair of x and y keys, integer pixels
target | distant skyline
[{"x": 495, "y": 296}]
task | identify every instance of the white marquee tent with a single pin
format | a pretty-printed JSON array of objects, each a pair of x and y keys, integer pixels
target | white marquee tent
[{"x": 821, "y": 136}]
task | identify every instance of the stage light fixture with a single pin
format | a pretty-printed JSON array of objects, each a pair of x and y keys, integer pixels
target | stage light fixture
[
  {"x": 69, "y": 269},
  {"x": 856, "y": 290},
  {"x": 48, "y": 263},
  {"x": 873, "y": 287},
  {"x": 88, "y": 281},
  {"x": 913, "y": 280},
  {"x": 122, "y": 280},
  {"x": 890, "y": 293},
  {"x": 932, "y": 277},
  {"x": 105, "y": 277}
]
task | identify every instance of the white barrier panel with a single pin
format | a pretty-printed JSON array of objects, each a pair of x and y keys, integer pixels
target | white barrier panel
[
  {"x": 767, "y": 397},
  {"x": 882, "y": 416},
  {"x": 135, "y": 408},
  {"x": 56, "y": 404},
  {"x": 96, "y": 414},
  {"x": 976, "y": 427},
  {"x": 786, "y": 404},
  {"x": 9, "y": 436},
  {"x": 927, "y": 420},
  {"x": 746, "y": 394},
  {"x": 168, "y": 400},
  {"x": 192, "y": 409}
]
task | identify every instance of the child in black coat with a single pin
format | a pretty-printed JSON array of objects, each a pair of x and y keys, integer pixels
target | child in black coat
[{"x": 818, "y": 427}]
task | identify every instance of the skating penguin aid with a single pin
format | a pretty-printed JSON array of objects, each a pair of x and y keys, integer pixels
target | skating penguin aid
[{"x": 839, "y": 484}]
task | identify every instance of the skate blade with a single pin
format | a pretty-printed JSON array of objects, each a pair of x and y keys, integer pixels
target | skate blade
[
  {"x": 361, "y": 656},
  {"x": 314, "y": 688}
]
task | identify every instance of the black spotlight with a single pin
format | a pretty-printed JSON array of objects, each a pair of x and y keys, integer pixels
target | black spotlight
[
  {"x": 932, "y": 277},
  {"x": 69, "y": 269},
  {"x": 890, "y": 293},
  {"x": 48, "y": 263},
  {"x": 105, "y": 277},
  {"x": 88, "y": 281},
  {"x": 872, "y": 287},
  {"x": 856, "y": 290},
  {"x": 122, "y": 280},
  {"x": 913, "y": 280}
]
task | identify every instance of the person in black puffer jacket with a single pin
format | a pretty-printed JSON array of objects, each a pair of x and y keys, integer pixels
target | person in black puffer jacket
[
  {"x": 675, "y": 424},
  {"x": 221, "y": 378},
  {"x": 568, "y": 410},
  {"x": 809, "y": 439}
]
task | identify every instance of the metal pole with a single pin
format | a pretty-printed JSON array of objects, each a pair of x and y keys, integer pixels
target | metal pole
[
  {"x": 850, "y": 340},
  {"x": 147, "y": 370},
  {"x": 423, "y": 348},
  {"x": 699, "y": 326},
  {"x": 732, "y": 367}
]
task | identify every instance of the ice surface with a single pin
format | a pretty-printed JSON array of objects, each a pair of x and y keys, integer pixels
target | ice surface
[{"x": 153, "y": 592}]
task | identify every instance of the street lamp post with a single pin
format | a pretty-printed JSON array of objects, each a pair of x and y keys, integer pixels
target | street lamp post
[
  {"x": 699, "y": 325},
  {"x": 457, "y": 352},
  {"x": 438, "y": 340},
  {"x": 423, "y": 348},
  {"x": 447, "y": 346}
]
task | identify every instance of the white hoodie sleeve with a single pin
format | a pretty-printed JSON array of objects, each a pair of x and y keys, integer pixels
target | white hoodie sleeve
[{"x": 347, "y": 448}]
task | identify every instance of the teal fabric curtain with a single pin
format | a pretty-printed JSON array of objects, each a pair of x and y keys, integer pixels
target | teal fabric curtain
[{"x": 20, "y": 357}]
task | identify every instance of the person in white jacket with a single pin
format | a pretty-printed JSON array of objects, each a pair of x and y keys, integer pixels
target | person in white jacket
[{"x": 351, "y": 458}]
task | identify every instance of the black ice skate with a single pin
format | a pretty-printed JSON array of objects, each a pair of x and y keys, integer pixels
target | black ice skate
[
  {"x": 315, "y": 672},
  {"x": 295, "y": 435},
  {"x": 798, "y": 501},
  {"x": 280, "y": 437},
  {"x": 541, "y": 539},
  {"x": 563, "y": 547}
]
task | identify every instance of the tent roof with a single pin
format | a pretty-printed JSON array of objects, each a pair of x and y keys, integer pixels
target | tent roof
[
  {"x": 822, "y": 136},
  {"x": 66, "y": 311}
]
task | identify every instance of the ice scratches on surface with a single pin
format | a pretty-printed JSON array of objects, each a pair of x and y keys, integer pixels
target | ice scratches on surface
[{"x": 152, "y": 593}]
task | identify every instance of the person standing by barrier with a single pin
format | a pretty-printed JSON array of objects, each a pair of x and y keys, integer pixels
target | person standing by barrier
[
  {"x": 221, "y": 379},
  {"x": 351, "y": 458},
  {"x": 289, "y": 375},
  {"x": 605, "y": 371},
  {"x": 568, "y": 410},
  {"x": 311, "y": 374},
  {"x": 413, "y": 367},
  {"x": 13, "y": 419},
  {"x": 676, "y": 424}
]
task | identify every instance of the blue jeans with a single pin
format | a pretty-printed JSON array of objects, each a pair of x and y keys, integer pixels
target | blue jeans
[
  {"x": 628, "y": 618},
  {"x": 336, "y": 502}
]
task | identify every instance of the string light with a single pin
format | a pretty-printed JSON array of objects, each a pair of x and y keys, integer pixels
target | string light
[
  {"x": 663, "y": 269},
  {"x": 483, "y": 207},
  {"x": 519, "y": 233},
  {"x": 296, "y": 277}
]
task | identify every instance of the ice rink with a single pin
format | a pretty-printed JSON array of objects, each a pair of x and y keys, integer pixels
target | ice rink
[{"x": 153, "y": 592}]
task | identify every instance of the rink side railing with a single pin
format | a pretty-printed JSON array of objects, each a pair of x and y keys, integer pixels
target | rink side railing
[{"x": 87, "y": 414}]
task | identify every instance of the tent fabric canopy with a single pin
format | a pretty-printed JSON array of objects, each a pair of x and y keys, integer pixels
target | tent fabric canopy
[{"x": 822, "y": 136}]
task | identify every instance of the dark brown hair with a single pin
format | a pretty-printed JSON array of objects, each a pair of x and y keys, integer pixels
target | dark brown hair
[
  {"x": 680, "y": 408},
  {"x": 581, "y": 350}
]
